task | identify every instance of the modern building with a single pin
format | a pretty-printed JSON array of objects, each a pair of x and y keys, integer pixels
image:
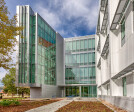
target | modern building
[
  {"x": 115, "y": 52},
  {"x": 51, "y": 65},
  {"x": 80, "y": 73},
  {"x": 100, "y": 65}
]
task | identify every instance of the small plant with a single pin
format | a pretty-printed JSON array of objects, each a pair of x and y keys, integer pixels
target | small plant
[
  {"x": 9, "y": 102},
  {"x": 5, "y": 102},
  {"x": 17, "y": 103}
]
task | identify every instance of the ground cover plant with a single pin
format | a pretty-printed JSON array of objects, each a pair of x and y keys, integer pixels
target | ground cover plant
[
  {"x": 81, "y": 106},
  {"x": 25, "y": 105},
  {"x": 8, "y": 102}
]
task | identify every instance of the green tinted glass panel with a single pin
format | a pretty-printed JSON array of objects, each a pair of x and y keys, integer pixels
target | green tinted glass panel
[
  {"x": 86, "y": 44},
  {"x": 82, "y": 44}
]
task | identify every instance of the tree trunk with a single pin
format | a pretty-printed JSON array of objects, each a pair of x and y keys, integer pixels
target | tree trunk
[{"x": 22, "y": 94}]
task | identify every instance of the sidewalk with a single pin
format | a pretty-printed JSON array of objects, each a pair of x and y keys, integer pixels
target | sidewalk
[{"x": 51, "y": 107}]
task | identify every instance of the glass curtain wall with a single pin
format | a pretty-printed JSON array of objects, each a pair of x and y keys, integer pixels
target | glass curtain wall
[
  {"x": 45, "y": 45},
  {"x": 22, "y": 77},
  {"x": 80, "y": 61},
  {"x": 46, "y": 53},
  {"x": 72, "y": 91},
  {"x": 32, "y": 48},
  {"x": 89, "y": 91}
]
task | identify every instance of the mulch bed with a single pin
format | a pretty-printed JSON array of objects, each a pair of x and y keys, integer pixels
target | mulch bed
[
  {"x": 80, "y": 106},
  {"x": 26, "y": 105}
]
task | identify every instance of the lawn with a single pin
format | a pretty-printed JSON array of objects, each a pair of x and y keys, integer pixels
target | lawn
[
  {"x": 80, "y": 106},
  {"x": 26, "y": 105}
]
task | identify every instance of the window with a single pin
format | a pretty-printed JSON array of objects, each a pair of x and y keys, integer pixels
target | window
[
  {"x": 123, "y": 32},
  {"x": 74, "y": 45},
  {"x": 86, "y": 58},
  {"x": 78, "y": 45},
  {"x": 90, "y": 58},
  {"x": 86, "y": 44},
  {"x": 93, "y": 58},
  {"x": 93, "y": 44},
  {"x": 82, "y": 58},
  {"x": 90, "y": 44},
  {"x": 78, "y": 58},
  {"x": 124, "y": 86},
  {"x": 70, "y": 45},
  {"x": 82, "y": 44}
]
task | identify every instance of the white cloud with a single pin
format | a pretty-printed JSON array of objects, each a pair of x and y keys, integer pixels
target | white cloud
[
  {"x": 50, "y": 17},
  {"x": 58, "y": 12},
  {"x": 86, "y": 9}
]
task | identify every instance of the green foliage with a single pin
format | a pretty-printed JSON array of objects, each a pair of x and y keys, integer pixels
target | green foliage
[
  {"x": 7, "y": 102},
  {"x": 8, "y": 31},
  {"x": 23, "y": 91},
  {"x": 15, "y": 102},
  {"x": 9, "y": 84}
]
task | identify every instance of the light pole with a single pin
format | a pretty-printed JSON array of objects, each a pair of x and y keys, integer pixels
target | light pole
[{"x": 17, "y": 91}]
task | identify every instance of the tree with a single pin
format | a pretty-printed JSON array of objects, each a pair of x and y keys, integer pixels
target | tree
[
  {"x": 9, "y": 84},
  {"x": 8, "y": 31},
  {"x": 23, "y": 91}
]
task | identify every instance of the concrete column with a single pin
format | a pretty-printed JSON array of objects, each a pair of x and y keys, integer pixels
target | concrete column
[
  {"x": 64, "y": 92},
  {"x": 80, "y": 91}
]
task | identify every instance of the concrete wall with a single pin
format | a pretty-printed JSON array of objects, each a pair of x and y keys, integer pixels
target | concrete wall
[
  {"x": 46, "y": 91},
  {"x": 122, "y": 56},
  {"x": 60, "y": 77},
  {"x": 126, "y": 103},
  {"x": 119, "y": 58},
  {"x": 35, "y": 92},
  {"x": 50, "y": 91}
]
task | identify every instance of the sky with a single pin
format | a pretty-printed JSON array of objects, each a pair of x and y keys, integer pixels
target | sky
[{"x": 70, "y": 18}]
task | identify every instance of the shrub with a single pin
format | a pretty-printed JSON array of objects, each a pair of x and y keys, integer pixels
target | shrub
[
  {"x": 9, "y": 102},
  {"x": 15, "y": 102},
  {"x": 5, "y": 102}
]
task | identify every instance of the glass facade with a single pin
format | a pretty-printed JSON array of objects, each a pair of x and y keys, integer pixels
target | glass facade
[
  {"x": 80, "y": 66},
  {"x": 46, "y": 53},
  {"x": 37, "y": 50},
  {"x": 86, "y": 91},
  {"x": 72, "y": 91},
  {"x": 80, "y": 61},
  {"x": 23, "y": 45},
  {"x": 80, "y": 45},
  {"x": 32, "y": 26},
  {"x": 89, "y": 91}
]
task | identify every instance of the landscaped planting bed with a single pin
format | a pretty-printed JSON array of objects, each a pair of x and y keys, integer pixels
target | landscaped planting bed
[
  {"x": 117, "y": 109},
  {"x": 26, "y": 105},
  {"x": 80, "y": 106}
]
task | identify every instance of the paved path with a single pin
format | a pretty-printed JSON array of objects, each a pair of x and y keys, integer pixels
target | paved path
[{"x": 51, "y": 107}]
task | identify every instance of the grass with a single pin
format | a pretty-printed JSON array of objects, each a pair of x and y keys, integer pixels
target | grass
[{"x": 80, "y": 106}]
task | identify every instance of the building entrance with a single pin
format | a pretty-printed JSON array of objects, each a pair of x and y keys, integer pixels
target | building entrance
[
  {"x": 72, "y": 91},
  {"x": 88, "y": 91}
]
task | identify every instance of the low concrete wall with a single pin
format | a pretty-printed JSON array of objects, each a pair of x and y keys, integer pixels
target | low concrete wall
[
  {"x": 126, "y": 103},
  {"x": 35, "y": 92},
  {"x": 51, "y": 91},
  {"x": 45, "y": 91}
]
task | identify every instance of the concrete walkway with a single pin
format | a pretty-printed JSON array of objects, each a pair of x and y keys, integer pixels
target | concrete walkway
[{"x": 51, "y": 107}]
